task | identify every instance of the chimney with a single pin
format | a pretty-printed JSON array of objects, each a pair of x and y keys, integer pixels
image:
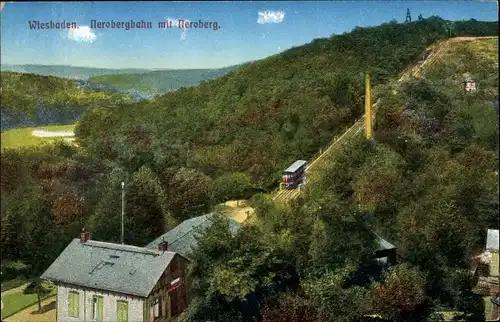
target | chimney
[
  {"x": 163, "y": 246},
  {"x": 84, "y": 236}
]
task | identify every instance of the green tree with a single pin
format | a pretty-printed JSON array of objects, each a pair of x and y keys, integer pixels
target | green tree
[
  {"x": 144, "y": 209},
  {"x": 374, "y": 183},
  {"x": 333, "y": 301},
  {"x": 234, "y": 270},
  {"x": 105, "y": 221},
  {"x": 230, "y": 186},
  {"x": 291, "y": 308},
  {"x": 402, "y": 291},
  {"x": 40, "y": 288},
  {"x": 189, "y": 192}
]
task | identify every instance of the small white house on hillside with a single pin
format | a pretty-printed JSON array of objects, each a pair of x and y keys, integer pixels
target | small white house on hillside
[{"x": 100, "y": 281}]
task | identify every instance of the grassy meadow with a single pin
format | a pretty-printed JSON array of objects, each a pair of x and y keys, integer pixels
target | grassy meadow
[{"x": 23, "y": 137}]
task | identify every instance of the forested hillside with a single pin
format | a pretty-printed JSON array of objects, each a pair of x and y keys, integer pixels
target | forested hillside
[
  {"x": 161, "y": 81},
  {"x": 429, "y": 185},
  {"x": 260, "y": 118},
  {"x": 185, "y": 151},
  {"x": 30, "y": 99},
  {"x": 43, "y": 97}
]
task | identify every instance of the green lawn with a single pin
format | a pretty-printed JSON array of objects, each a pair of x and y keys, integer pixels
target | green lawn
[
  {"x": 16, "y": 301},
  {"x": 16, "y": 282},
  {"x": 23, "y": 137},
  {"x": 493, "y": 41}
]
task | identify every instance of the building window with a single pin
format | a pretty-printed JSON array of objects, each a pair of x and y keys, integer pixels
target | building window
[
  {"x": 122, "y": 311},
  {"x": 97, "y": 308},
  {"x": 156, "y": 307},
  {"x": 73, "y": 302}
]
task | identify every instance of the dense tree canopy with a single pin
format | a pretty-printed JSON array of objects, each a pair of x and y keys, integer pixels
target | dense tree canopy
[
  {"x": 31, "y": 99},
  {"x": 263, "y": 116},
  {"x": 429, "y": 184}
]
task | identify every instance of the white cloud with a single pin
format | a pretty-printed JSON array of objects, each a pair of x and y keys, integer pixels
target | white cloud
[
  {"x": 270, "y": 17},
  {"x": 175, "y": 24},
  {"x": 82, "y": 34}
]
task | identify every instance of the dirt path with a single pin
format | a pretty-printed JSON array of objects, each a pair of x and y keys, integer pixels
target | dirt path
[
  {"x": 30, "y": 314},
  {"x": 472, "y": 38},
  {"x": 14, "y": 290},
  {"x": 237, "y": 210},
  {"x": 50, "y": 134}
]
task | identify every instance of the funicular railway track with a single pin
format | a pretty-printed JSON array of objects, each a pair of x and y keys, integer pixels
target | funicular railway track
[{"x": 324, "y": 158}]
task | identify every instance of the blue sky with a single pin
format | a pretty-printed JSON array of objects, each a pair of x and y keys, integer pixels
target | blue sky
[{"x": 242, "y": 35}]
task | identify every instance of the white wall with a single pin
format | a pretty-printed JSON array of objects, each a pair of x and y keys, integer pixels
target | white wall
[{"x": 135, "y": 305}]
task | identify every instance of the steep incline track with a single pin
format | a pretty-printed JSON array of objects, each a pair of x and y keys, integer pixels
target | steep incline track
[
  {"x": 321, "y": 160},
  {"x": 432, "y": 53}
]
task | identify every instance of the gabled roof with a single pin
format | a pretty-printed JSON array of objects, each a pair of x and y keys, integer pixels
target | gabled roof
[
  {"x": 111, "y": 267},
  {"x": 383, "y": 244},
  {"x": 492, "y": 239},
  {"x": 182, "y": 239},
  {"x": 297, "y": 164}
]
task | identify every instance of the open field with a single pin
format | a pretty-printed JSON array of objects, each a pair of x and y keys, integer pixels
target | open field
[
  {"x": 14, "y": 300},
  {"x": 24, "y": 137},
  {"x": 31, "y": 314}
]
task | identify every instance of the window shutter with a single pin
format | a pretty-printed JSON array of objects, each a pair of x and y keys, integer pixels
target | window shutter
[
  {"x": 99, "y": 308},
  {"x": 122, "y": 311},
  {"x": 73, "y": 304},
  {"x": 125, "y": 312},
  {"x": 76, "y": 304},
  {"x": 119, "y": 311},
  {"x": 70, "y": 304}
]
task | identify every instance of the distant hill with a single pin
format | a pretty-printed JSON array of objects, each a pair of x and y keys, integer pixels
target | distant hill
[
  {"x": 31, "y": 99},
  {"x": 138, "y": 82},
  {"x": 161, "y": 81},
  {"x": 73, "y": 72}
]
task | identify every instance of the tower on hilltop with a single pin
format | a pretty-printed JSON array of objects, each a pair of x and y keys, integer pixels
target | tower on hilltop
[{"x": 408, "y": 16}]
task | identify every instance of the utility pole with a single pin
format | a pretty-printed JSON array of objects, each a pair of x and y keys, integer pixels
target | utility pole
[
  {"x": 368, "y": 107},
  {"x": 408, "y": 16},
  {"x": 123, "y": 211}
]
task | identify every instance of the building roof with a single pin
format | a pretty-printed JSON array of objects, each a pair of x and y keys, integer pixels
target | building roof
[
  {"x": 111, "y": 267},
  {"x": 492, "y": 239},
  {"x": 182, "y": 239},
  {"x": 297, "y": 164},
  {"x": 383, "y": 244}
]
